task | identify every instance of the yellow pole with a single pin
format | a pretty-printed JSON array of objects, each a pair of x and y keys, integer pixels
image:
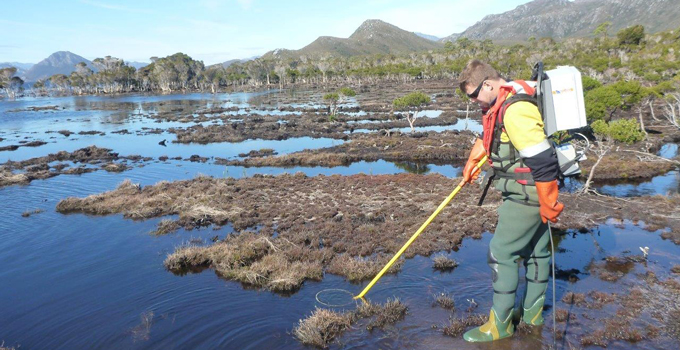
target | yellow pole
[{"x": 415, "y": 235}]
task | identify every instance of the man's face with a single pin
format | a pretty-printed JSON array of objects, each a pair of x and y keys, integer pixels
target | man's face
[{"x": 480, "y": 94}]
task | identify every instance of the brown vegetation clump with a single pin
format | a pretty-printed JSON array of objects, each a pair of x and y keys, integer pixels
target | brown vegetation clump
[
  {"x": 614, "y": 329},
  {"x": 442, "y": 262},
  {"x": 458, "y": 326},
  {"x": 262, "y": 152},
  {"x": 600, "y": 299},
  {"x": 614, "y": 268},
  {"x": 28, "y": 213},
  {"x": 445, "y": 301},
  {"x": 322, "y": 326},
  {"x": 253, "y": 260},
  {"x": 115, "y": 167},
  {"x": 562, "y": 315},
  {"x": 358, "y": 269},
  {"x": 7, "y": 178},
  {"x": 164, "y": 227},
  {"x": 392, "y": 311},
  {"x": 44, "y": 167},
  {"x": 572, "y": 298},
  {"x": 675, "y": 269}
]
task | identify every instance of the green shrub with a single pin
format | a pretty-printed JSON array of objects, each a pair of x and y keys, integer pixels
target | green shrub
[
  {"x": 347, "y": 92},
  {"x": 601, "y": 101},
  {"x": 331, "y": 97},
  {"x": 589, "y": 83},
  {"x": 414, "y": 99},
  {"x": 632, "y": 92},
  {"x": 622, "y": 130},
  {"x": 631, "y": 35}
]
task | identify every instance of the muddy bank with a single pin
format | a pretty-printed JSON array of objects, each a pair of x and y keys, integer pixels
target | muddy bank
[
  {"x": 426, "y": 147},
  {"x": 281, "y": 128},
  {"x": 80, "y": 161}
]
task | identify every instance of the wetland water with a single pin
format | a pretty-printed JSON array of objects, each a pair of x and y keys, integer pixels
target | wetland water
[{"x": 79, "y": 281}]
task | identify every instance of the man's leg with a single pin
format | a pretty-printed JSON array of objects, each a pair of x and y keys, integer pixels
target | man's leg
[
  {"x": 517, "y": 224},
  {"x": 537, "y": 273}
]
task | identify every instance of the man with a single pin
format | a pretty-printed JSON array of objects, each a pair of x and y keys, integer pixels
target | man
[{"x": 526, "y": 169}]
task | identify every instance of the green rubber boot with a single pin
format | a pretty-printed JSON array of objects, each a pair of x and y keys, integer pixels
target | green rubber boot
[
  {"x": 534, "y": 315},
  {"x": 492, "y": 330}
]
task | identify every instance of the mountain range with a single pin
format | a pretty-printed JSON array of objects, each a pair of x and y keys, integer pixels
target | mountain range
[
  {"x": 558, "y": 19},
  {"x": 561, "y": 19},
  {"x": 372, "y": 37}
]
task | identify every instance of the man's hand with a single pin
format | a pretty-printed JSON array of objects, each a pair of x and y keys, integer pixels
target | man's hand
[
  {"x": 547, "y": 198},
  {"x": 471, "y": 172}
]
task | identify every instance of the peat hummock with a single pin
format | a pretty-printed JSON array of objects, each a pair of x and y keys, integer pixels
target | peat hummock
[{"x": 60, "y": 163}]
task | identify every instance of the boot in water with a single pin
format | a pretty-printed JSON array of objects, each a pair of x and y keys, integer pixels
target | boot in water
[{"x": 492, "y": 330}]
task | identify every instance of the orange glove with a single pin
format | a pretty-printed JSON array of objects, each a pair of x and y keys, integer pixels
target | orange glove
[
  {"x": 471, "y": 172},
  {"x": 547, "y": 198}
]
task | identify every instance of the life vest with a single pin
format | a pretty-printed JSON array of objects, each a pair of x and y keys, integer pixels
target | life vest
[
  {"x": 507, "y": 166},
  {"x": 492, "y": 121}
]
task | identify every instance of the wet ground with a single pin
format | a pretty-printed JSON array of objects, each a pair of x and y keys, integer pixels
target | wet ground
[{"x": 84, "y": 281}]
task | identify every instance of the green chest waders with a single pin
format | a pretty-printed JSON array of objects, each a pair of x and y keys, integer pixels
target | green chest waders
[{"x": 520, "y": 234}]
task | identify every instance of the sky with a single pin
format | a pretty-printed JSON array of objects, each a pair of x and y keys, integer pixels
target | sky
[{"x": 213, "y": 30}]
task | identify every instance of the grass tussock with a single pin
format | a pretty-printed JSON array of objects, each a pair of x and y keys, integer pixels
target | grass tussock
[
  {"x": 358, "y": 269},
  {"x": 254, "y": 260},
  {"x": 444, "y": 301},
  {"x": 164, "y": 227},
  {"x": 675, "y": 269},
  {"x": 323, "y": 326},
  {"x": 458, "y": 326},
  {"x": 392, "y": 311},
  {"x": 441, "y": 262},
  {"x": 7, "y": 178}
]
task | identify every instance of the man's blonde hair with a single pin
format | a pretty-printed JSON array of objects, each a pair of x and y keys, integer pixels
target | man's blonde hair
[{"x": 475, "y": 72}]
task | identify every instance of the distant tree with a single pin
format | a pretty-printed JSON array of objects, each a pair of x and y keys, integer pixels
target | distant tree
[
  {"x": 10, "y": 83},
  {"x": 602, "y": 29},
  {"x": 280, "y": 70},
  {"x": 631, "y": 35},
  {"x": 59, "y": 82},
  {"x": 335, "y": 98},
  {"x": 412, "y": 103},
  {"x": 214, "y": 76}
]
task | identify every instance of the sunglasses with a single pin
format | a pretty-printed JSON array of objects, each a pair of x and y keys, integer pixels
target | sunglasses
[{"x": 475, "y": 93}]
